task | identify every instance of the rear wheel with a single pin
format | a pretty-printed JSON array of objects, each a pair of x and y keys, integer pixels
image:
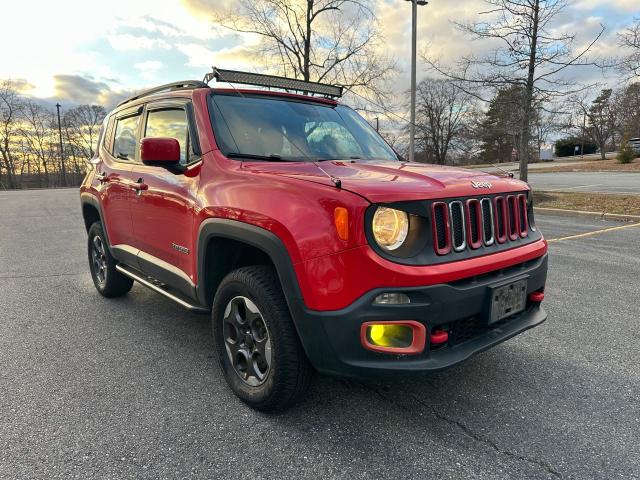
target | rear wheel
[
  {"x": 108, "y": 281},
  {"x": 257, "y": 345}
]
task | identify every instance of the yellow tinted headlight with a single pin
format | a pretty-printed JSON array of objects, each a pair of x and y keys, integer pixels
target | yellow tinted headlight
[{"x": 390, "y": 227}]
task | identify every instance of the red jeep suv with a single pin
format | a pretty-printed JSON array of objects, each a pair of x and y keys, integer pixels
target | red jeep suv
[{"x": 312, "y": 244}]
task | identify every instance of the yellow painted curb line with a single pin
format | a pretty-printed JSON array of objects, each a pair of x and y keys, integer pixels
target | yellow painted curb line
[{"x": 596, "y": 232}]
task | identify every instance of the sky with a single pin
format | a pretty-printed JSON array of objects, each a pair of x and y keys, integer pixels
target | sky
[{"x": 99, "y": 52}]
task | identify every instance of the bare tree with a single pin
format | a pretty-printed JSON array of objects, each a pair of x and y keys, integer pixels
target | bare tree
[
  {"x": 81, "y": 127},
  {"x": 630, "y": 40},
  {"x": 331, "y": 41},
  {"x": 441, "y": 116},
  {"x": 547, "y": 121},
  {"x": 37, "y": 130},
  {"x": 11, "y": 105},
  {"x": 530, "y": 53}
]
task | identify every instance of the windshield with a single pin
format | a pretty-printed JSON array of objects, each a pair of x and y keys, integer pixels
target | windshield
[{"x": 277, "y": 128}]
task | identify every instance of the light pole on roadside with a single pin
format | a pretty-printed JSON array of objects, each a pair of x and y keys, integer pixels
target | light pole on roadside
[
  {"x": 414, "y": 35},
  {"x": 62, "y": 169}
]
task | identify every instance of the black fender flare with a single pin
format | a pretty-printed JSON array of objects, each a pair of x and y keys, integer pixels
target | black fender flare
[
  {"x": 271, "y": 245},
  {"x": 257, "y": 237},
  {"x": 89, "y": 199}
]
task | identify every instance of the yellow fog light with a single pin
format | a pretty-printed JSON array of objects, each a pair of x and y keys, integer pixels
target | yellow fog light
[{"x": 400, "y": 337}]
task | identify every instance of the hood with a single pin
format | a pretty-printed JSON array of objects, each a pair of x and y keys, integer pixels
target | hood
[{"x": 383, "y": 182}]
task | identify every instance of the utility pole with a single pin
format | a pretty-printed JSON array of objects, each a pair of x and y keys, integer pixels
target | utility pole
[
  {"x": 62, "y": 169},
  {"x": 584, "y": 132},
  {"x": 414, "y": 35}
]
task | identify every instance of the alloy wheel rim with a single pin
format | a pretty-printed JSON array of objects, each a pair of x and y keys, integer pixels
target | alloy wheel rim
[
  {"x": 99, "y": 258},
  {"x": 247, "y": 341}
]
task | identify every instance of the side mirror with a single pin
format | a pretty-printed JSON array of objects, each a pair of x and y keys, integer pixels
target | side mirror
[{"x": 160, "y": 151}]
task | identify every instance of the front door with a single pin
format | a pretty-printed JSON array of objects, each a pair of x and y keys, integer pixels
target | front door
[{"x": 163, "y": 212}]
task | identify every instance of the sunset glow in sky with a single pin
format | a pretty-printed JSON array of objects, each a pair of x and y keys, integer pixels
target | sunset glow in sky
[{"x": 90, "y": 51}]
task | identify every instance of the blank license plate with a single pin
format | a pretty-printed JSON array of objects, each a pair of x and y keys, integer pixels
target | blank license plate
[{"x": 508, "y": 300}]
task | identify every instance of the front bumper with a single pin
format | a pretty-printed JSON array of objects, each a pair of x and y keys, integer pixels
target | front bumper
[{"x": 332, "y": 339}]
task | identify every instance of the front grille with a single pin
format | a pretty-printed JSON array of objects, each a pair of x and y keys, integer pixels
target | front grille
[{"x": 477, "y": 222}]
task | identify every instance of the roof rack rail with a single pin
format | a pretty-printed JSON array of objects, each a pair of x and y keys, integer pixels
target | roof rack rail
[
  {"x": 258, "y": 79},
  {"x": 184, "y": 84}
]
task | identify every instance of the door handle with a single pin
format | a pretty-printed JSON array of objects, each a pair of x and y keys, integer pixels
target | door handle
[{"x": 140, "y": 186}]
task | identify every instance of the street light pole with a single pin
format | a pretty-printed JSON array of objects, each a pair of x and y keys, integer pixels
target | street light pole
[
  {"x": 62, "y": 169},
  {"x": 414, "y": 35}
]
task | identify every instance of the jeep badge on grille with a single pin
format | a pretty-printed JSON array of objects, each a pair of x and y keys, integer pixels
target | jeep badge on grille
[{"x": 480, "y": 184}]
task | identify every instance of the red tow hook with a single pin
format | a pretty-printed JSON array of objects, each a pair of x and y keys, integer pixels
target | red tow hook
[
  {"x": 438, "y": 337},
  {"x": 536, "y": 297}
]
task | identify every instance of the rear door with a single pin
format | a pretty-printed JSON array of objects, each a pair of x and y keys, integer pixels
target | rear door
[{"x": 163, "y": 213}]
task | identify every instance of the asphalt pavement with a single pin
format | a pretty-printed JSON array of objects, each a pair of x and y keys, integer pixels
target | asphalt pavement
[
  {"x": 627, "y": 183},
  {"x": 128, "y": 388}
]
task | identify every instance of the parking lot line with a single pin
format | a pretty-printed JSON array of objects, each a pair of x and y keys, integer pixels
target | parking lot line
[
  {"x": 596, "y": 232},
  {"x": 563, "y": 188}
]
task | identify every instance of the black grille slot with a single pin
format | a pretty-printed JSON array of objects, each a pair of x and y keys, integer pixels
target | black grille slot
[
  {"x": 487, "y": 220},
  {"x": 513, "y": 216},
  {"x": 440, "y": 221},
  {"x": 457, "y": 226},
  {"x": 522, "y": 209},
  {"x": 474, "y": 211},
  {"x": 501, "y": 228}
]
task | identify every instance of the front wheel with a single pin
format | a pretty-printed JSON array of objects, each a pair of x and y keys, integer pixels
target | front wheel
[
  {"x": 108, "y": 281},
  {"x": 257, "y": 345}
]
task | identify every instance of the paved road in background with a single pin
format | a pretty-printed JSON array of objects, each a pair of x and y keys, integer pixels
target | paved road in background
[
  {"x": 595, "y": 182},
  {"x": 128, "y": 388}
]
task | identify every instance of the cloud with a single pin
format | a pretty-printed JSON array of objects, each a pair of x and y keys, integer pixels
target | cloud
[
  {"x": 126, "y": 42},
  {"x": 238, "y": 57},
  {"x": 80, "y": 89},
  {"x": 622, "y": 5},
  {"x": 22, "y": 86},
  {"x": 77, "y": 89},
  {"x": 149, "y": 69}
]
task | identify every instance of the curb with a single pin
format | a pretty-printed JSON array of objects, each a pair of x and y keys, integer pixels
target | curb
[{"x": 581, "y": 213}]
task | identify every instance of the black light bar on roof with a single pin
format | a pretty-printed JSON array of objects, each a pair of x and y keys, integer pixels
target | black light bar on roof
[{"x": 258, "y": 79}]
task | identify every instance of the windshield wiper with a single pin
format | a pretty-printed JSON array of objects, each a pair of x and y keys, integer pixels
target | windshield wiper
[
  {"x": 253, "y": 156},
  {"x": 352, "y": 157}
]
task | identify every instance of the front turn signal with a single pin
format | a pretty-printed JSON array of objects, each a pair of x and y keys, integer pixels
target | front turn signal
[{"x": 341, "y": 219}]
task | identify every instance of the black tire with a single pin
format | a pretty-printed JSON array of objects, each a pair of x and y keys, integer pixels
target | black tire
[
  {"x": 108, "y": 281},
  {"x": 288, "y": 373}
]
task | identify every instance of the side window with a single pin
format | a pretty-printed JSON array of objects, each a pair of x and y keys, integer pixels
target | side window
[
  {"x": 108, "y": 133},
  {"x": 125, "y": 142},
  {"x": 171, "y": 123}
]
